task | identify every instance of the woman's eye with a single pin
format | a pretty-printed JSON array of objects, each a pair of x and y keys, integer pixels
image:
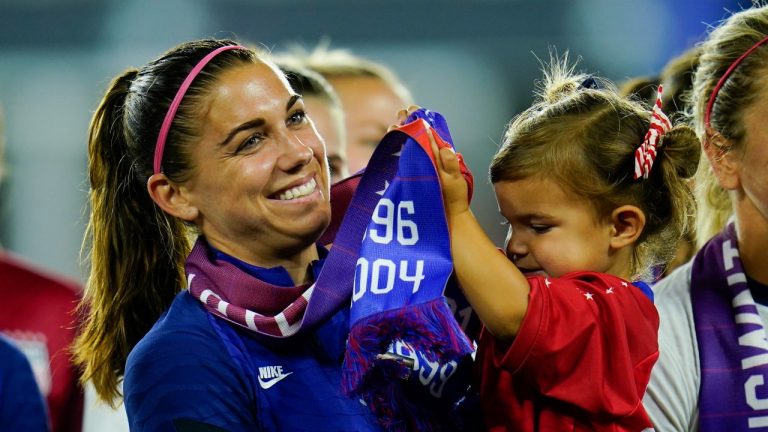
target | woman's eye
[
  {"x": 249, "y": 142},
  {"x": 297, "y": 118},
  {"x": 540, "y": 229}
]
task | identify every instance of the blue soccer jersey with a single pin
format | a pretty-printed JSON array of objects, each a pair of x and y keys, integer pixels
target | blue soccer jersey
[{"x": 196, "y": 372}]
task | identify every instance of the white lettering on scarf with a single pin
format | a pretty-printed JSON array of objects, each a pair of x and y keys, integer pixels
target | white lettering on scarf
[
  {"x": 755, "y": 339},
  {"x": 392, "y": 225},
  {"x": 729, "y": 253},
  {"x": 432, "y": 374},
  {"x": 750, "y": 387}
]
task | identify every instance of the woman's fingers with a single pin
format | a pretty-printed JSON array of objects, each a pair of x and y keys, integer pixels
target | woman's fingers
[{"x": 402, "y": 116}]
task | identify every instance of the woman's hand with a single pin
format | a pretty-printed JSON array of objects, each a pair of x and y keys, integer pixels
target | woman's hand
[{"x": 402, "y": 116}]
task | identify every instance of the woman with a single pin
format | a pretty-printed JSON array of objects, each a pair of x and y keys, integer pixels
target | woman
[
  {"x": 711, "y": 369},
  {"x": 210, "y": 136},
  {"x": 369, "y": 93},
  {"x": 324, "y": 107}
]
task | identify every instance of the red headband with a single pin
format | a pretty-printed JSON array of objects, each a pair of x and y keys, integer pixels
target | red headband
[
  {"x": 160, "y": 145},
  {"x": 713, "y": 96}
]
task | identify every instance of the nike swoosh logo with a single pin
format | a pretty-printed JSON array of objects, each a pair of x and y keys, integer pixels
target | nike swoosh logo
[{"x": 272, "y": 381}]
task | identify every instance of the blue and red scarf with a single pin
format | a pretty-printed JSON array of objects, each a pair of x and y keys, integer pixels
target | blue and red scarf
[
  {"x": 403, "y": 273},
  {"x": 391, "y": 255},
  {"x": 733, "y": 351}
]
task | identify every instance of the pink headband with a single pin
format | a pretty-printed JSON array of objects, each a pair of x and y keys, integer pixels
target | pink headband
[
  {"x": 713, "y": 96},
  {"x": 646, "y": 153},
  {"x": 160, "y": 145}
]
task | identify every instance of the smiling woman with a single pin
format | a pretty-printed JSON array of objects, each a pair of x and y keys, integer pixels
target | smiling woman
[
  {"x": 210, "y": 138},
  {"x": 260, "y": 184}
]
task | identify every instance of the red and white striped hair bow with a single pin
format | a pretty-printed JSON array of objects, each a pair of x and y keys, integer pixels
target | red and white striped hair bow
[{"x": 646, "y": 153}]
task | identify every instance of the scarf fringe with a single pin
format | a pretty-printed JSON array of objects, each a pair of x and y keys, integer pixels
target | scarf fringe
[{"x": 426, "y": 327}]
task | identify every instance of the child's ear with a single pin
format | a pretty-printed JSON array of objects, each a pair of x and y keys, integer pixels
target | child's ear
[
  {"x": 171, "y": 197},
  {"x": 627, "y": 223},
  {"x": 724, "y": 163}
]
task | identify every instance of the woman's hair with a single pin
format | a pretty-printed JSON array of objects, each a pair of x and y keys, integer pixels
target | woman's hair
[
  {"x": 677, "y": 79},
  {"x": 725, "y": 44},
  {"x": 642, "y": 88},
  {"x": 136, "y": 250},
  {"x": 306, "y": 82},
  {"x": 309, "y": 83},
  {"x": 581, "y": 134},
  {"x": 340, "y": 63}
]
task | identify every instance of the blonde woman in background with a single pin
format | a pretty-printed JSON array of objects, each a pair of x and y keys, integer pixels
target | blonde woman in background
[
  {"x": 371, "y": 95},
  {"x": 711, "y": 371}
]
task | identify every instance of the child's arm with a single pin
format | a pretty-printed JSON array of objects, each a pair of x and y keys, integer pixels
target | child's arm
[{"x": 497, "y": 290}]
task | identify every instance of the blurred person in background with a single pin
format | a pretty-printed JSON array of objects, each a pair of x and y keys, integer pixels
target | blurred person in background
[
  {"x": 370, "y": 93},
  {"x": 22, "y": 408},
  {"x": 677, "y": 79},
  {"x": 641, "y": 88},
  {"x": 37, "y": 313}
]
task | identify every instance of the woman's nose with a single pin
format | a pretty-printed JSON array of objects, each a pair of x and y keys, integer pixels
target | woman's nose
[{"x": 295, "y": 152}]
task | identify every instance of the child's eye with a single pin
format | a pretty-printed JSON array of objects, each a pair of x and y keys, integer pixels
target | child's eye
[
  {"x": 540, "y": 229},
  {"x": 298, "y": 117}
]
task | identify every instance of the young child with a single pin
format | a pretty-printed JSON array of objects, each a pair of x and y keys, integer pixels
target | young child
[{"x": 569, "y": 342}]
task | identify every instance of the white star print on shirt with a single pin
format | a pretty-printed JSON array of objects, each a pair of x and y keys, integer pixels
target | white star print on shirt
[
  {"x": 588, "y": 296},
  {"x": 609, "y": 290}
]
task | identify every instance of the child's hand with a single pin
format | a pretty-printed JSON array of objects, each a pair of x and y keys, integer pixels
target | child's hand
[{"x": 455, "y": 195}]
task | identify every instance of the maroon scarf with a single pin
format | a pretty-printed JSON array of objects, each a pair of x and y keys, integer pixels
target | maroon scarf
[{"x": 272, "y": 310}]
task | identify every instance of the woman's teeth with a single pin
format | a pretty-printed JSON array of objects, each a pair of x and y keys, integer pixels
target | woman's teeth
[{"x": 299, "y": 191}]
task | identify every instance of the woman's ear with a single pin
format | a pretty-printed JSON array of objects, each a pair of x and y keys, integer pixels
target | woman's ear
[
  {"x": 627, "y": 223},
  {"x": 723, "y": 161},
  {"x": 171, "y": 197}
]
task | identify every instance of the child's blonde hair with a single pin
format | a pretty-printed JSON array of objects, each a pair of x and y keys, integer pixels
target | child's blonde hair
[{"x": 583, "y": 135}]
